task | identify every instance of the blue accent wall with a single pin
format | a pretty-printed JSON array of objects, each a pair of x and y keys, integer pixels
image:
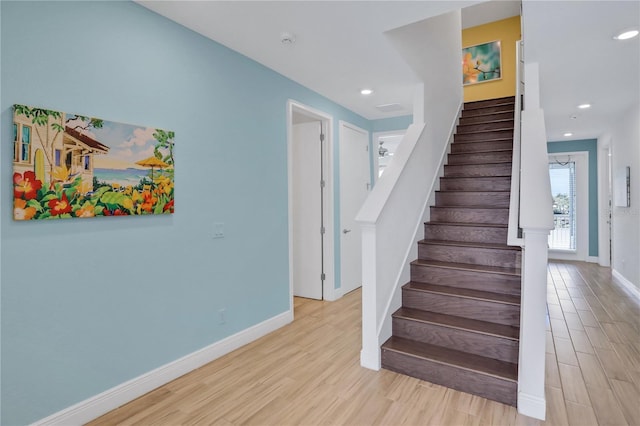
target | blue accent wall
[
  {"x": 591, "y": 146},
  {"x": 392, "y": 123},
  {"x": 89, "y": 304}
]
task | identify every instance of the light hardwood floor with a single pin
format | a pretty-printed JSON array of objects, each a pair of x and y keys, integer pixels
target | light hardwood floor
[{"x": 308, "y": 373}]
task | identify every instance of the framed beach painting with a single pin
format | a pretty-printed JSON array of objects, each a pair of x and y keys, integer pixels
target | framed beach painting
[
  {"x": 481, "y": 63},
  {"x": 74, "y": 166}
]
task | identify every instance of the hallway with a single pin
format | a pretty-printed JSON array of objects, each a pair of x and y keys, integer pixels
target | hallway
[{"x": 309, "y": 373}]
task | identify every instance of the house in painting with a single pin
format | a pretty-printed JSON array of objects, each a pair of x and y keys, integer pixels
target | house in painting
[{"x": 53, "y": 150}]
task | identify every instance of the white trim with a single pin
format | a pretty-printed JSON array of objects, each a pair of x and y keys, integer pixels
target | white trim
[
  {"x": 329, "y": 291},
  {"x": 424, "y": 216},
  {"x": 113, "y": 398},
  {"x": 604, "y": 197},
  {"x": 593, "y": 259},
  {"x": 531, "y": 406},
  {"x": 581, "y": 159},
  {"x": 635, "y": 291}
]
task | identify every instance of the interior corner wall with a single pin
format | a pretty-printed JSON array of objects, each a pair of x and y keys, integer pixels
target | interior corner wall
[
  {"x": 591, "y": 146},
  {"x": 508, "y": 32},
  {"x": 625, "y": 233},
  {"x": 90, "y": 304},
  {"x": 391, "y": 124}
]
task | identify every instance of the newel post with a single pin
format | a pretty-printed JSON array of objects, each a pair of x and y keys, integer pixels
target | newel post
[{"x": 370, "y": 354}]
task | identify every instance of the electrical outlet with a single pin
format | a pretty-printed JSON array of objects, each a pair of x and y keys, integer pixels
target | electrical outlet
[
  {"x": 222, "y": 317},
  {"x": 218, "y": 230}
]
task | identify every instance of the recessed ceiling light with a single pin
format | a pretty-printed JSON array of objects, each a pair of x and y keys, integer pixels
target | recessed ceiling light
[
  {"x": 566, "y": 135},
  {"x": 626, "y": 35},
  {"x": 366, "y": 91},
  {"x": 584, "y": 106}
]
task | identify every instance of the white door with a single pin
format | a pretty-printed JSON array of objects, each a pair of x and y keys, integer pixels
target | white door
[
  {"x": 307, "y": 210},
  {"x": 354, "y": 187}
]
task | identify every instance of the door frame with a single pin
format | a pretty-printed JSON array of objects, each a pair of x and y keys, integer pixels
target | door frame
[
  {"x": 375, "y": 142},
  {"x": 328, "y": 289},
  {"x": 581, "y": 252}
]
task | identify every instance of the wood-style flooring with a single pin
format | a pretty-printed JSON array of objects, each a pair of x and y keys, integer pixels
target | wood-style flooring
[{"x": 308, "y": 373}]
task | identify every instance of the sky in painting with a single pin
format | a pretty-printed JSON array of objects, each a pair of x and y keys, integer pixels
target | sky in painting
[{"x": 128, "y": 144}]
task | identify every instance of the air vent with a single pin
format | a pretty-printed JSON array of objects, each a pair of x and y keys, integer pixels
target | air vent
[{"x": 389, "y": 107}]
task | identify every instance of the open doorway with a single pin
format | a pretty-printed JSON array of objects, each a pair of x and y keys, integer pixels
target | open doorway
[
  {"x": 310, "y": 202},
  {"x": 385, "y": 145}
]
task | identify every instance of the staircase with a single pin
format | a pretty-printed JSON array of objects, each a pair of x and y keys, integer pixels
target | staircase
[{"x": 459, "y": 321}]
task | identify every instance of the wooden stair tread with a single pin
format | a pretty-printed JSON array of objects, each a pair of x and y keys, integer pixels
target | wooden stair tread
[
  {"x": 498, "y": 120},
  {"x": 474, "y": 225},
  {"x": 469, "y": 244},
  {"x": 457, "y": 191},
  {"x": 499, "y": 129},
  {"x": 487, "y": 140},
  {"x": 445, "y": 206},
  {"x": 489, "y": 103},
  {"x": 481, "y": 152},
  {"x": 460, "y": 323},
  {"x": 507, "y": 299},
  {"x": 469, "y": 267},
  {"x": 493, "y": 163},
  {"x": 475, "y": 363},
  {"x": 470, "y": 207}
]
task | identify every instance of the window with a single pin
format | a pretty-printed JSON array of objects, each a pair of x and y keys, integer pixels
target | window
[
  {"x": 87, "y": 162},
  {"x": 58, "y": 157},
  {"x": 15, "y": 142},
  {"x": 563, "y": 189},
  {"x": 25, "y": 151}
]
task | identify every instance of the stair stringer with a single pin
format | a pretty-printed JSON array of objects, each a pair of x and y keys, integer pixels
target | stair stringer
[{"x": 371, "y": 358}]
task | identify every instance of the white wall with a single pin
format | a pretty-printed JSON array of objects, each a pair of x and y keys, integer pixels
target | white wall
[
  {"x": 392, "y": 214},
  {"x": 625, "y": 235}
]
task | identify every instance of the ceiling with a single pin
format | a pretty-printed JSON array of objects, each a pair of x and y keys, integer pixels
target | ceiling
[{"x": 340, "y": 47}]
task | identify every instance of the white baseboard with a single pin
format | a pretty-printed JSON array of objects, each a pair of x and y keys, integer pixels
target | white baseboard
[
  {"x": 531, "y": 406},
  {"x": 113, "y": 398},
  {"x": 626, "y": 283},
  {"x": 333, "y": 294},
  {"x": 370, "y": 360},
  {"x": 593, "y": 259}
]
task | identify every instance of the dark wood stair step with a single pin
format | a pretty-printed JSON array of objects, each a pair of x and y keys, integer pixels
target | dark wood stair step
[
  {"x": 473, "y": 198},
  {"x": 472, "y": 253},
  {"x": 469, "y": 303},
  {"x": 486, "y": 118},
  {"x": 480, "y": 215},
  {"x": 485, "y": 126},
  {"x": 478, "y": 375},
  {"x": 487, "y": 296},
  {"x": 494, "y": 279},
  {"x": 500, "y": 108},
  {"x": 460, "y": 323},
  {"x": 473, "y": 336},
  {"x": 483, "y": 135},
  {"x": 497, "y": 183},
  {"x": 477, "y": 170},
  {"x": 486, "y": 233},
  {"x": 473, "y": 147},
  {"x": 497, "y": 156},
  {"x": 473, "y": 268},
  {"x": 484, "y": 103}
]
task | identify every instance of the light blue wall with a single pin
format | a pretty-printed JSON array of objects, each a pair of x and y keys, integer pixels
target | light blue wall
[
  {"x": 87, "y": 305},
  {"x": 591, "y": 146},
  {"x": 392, "y": 123}
]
